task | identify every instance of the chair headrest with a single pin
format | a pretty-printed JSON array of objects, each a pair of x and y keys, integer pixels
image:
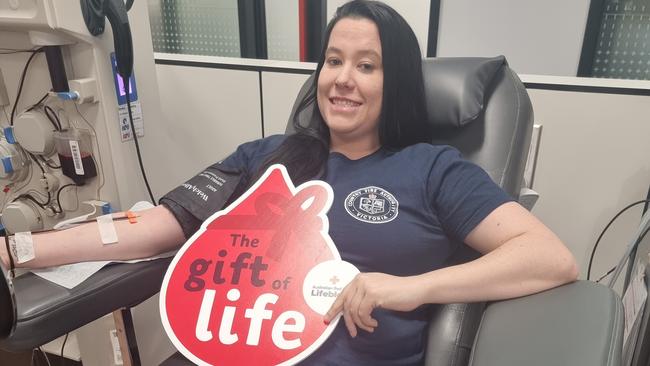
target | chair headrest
[{"x": 455, "y": 87}]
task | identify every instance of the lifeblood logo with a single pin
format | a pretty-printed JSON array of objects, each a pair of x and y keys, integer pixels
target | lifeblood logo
[{"x": 233, "y": 295}]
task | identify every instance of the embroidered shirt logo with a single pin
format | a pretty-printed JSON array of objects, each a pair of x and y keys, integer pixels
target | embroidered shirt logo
[{"x": 372, "y": 204}]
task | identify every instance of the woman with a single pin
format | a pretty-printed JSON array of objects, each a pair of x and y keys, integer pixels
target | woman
[{"x": 366, "y": 135}]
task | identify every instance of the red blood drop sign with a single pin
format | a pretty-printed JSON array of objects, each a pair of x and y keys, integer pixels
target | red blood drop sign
[{"x": 235, "y": 293}]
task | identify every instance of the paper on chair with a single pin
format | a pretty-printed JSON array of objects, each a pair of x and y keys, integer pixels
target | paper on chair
[{"x": 71, "y": 275}]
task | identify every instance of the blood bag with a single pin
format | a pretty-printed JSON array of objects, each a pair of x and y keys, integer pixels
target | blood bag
[{"x": 75, "y": 154}]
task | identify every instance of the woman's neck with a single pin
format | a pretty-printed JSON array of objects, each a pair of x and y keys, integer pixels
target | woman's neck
[{"x": 354, "y": 150}]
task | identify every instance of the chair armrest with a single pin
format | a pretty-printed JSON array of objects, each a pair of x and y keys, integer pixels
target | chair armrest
[
  {"x": 46, "y": 311},
  {"x": 576, "y": 324}
]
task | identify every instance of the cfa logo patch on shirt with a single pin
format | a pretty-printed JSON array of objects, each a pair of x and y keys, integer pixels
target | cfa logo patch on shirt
[{"x": 372, "y": 204}]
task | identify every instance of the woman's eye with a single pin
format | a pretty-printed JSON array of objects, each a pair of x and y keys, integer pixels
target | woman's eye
[
  {"x": 333, "y": 61},
  {"x": 366, "y": 67}
]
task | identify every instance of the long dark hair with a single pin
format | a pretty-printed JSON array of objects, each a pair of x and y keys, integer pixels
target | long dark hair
[{"x": 403, "y": 112}]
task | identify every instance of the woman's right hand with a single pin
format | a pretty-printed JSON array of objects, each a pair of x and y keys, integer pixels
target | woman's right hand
[{"x": 369, "y": 291}]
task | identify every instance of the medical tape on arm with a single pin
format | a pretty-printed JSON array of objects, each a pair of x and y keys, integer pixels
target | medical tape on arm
[
  {"x": 106, "y": 228},
  {"x": 22, "y": 247}
]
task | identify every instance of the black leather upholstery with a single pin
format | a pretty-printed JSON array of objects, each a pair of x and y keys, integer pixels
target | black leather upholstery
[
  {"x": 491, "y": 124},
  {"x": 457, "y": 94},
  {"x": 579, "y": 324},
  {"x": 496, "y": 137},
  {"x": 451, "y": 333},
  {"x": 45, "y": 311}
]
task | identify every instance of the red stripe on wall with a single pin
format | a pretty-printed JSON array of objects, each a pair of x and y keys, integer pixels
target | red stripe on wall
[{"x": 302, "y": 31}]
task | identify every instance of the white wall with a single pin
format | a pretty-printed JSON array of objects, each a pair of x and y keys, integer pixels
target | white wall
[
  {"x": 593, "y": 161},
  {"x": 537, "y": 37},
  {"x": 213, "y": 110},
  {"x": 416, "y": 13},
  {"x": 279, "y": 91}
]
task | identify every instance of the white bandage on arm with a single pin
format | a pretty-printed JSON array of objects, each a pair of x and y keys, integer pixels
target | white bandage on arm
[
  {"x": 107, "y": 229},
  {"x": 22, "y": 247}
]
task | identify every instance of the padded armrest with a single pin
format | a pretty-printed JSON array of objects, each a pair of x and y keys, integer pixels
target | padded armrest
[
  {"x": 576, "y": 324},
  {"x": 46, "y": 311}
]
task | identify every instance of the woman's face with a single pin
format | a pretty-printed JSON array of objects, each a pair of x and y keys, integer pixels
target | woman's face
[{"x": 350, "y": 85}]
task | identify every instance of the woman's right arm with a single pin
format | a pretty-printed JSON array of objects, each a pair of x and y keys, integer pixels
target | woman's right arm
[{"x": 156, "y": 231}]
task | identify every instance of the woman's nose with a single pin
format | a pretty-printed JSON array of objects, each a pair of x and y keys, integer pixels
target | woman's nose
[{"x": 343, "y": 79}]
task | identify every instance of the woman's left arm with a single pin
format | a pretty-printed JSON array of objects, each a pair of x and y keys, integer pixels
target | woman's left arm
[{"x": 521, "y": 256}]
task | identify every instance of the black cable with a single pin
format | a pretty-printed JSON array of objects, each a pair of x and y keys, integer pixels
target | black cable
[
  {"x": 135, "y": 138},
  {"x": 15, "y": 50},
  {"x": 33, "y": 199},
  {"x": 38, "y": 103},
  {"x": 631, "y": 257},
  {"x": 62, "y": 347},
  {"x": 58, "y": 195},
  {"x": 51, "y": 115},
  {"x": 37, "y": 162},
  {"x": 606, "y": 274},
  {"x": 647, "y": 197},
  {"x": 29, "y": 196},
  {"x": 642, "y": 236},
  {"x": 47, "y": 162},
  {"x": 47, "y": 359},
  {"x": 593, "y": 251},
  {"x": 20, "y": 85},
  {"x": 636, "y": 243}
]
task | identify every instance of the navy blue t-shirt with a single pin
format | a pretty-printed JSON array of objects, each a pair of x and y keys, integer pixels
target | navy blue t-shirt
[{"x": 397, "y": 212}]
